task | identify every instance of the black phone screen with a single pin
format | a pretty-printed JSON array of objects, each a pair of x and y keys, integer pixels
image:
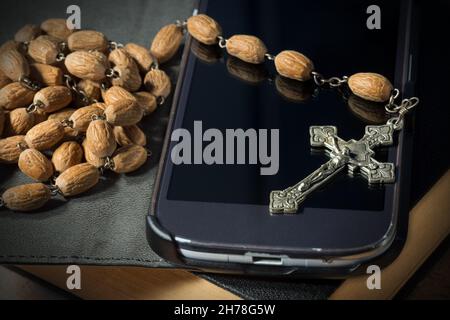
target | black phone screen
[{"x": 224, "y": 93}]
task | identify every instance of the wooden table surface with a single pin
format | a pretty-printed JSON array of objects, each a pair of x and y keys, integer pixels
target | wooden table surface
[{"x": 429, "y": 225}]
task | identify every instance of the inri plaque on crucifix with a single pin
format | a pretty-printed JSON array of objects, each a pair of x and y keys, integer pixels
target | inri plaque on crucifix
[{"x": 353, "y": 154}]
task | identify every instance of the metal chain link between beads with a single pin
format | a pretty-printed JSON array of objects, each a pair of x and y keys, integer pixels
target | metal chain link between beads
[
  {"x": 333, "y": 82},
  {"x": 30, "y": 84},
  {"x": 72, "y": 85},
  {"x": 400, "y": 110}
]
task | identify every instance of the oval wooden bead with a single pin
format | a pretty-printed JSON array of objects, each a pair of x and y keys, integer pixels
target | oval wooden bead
[
  {"x": 44, "y": 49},
  {"x": 90, "y": 65},
  {"x": 82, "y": 117},
  {"x": 157, "y": 82},
  {"x": 370, "y": 86},
  {"x": 91, "y": 157},
  {"x": 127, "y": 70},
  {"x": 294, "y": 65},
  {"x": 128, "y": 77},
  {"x": 87, "y": 40},
  {"x": 116, "y": 93},
  {"x": 130, "y": 135},
  {"x": 13, "y": 64},
  {"x": 67, "y": 155},
  {"x": 204, "y": 29},
  {"x": 27, "y": 33},
  {"x": 247, "y": 48},
  {"x": 129, "y": 158},
  {"x": 141, "y": 56},
  {"x": 124, "y": 113},
  {"x": 46, "y": 74},
  {"x": 27, "y": 197},
  {"x": 166, "y": 42},
  {"x": 146, "y": 101},
  {"x": 11, "y": 148},
  {"x": 15, "y": 95},
  {"x": 56, "y": 28},
  {"x": 2, "y": 121},
  {"x": 18, "y": 122},
  {"x": 45, "y": 135},
  {"x": 77, "y": 179},
  {"x": 100, "y": 137},
  {"x": 35, "y": 165},
  {"x": 53, "y": 98}
]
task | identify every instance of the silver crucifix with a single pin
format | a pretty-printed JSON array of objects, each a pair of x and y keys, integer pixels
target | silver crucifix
[{"x": 356, "y": 155}]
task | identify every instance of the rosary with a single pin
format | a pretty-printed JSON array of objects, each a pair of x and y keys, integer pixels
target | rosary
[{"x": 47, "y": 72}]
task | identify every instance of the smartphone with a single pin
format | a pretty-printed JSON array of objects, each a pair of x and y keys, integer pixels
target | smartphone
[{"x": 214, "y": 215}]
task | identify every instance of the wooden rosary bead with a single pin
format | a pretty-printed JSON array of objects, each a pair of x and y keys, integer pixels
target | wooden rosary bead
[
  {"x": 46, "y": 74},
  {"x": 67, "y": 155},
  {"x": 4, "y": 80},
  {"x": 146, "y": 101},
  {"x": 27, "y": 33},
  {"x": 51, "y": 99},
  {"x": 129, "y": 158},
  {"x": 294, "y": 65},
  {"x": 116, "y": 93},
  {"x": 247, "y": 48},
  {"x": 27, "y": 197},
  {"x": 82, "y": 117},
  {"x": 128, "y": 77},
  {"x": 2, "y": 121},
  {"x": 129, "y": 135},
  {"x": 35, "y": 165},
  {"x": 18, "y": 122},
  {"x": 141, "y": 56},
  {"x": 124, "y": 113},
  {"x": 157, "y": 82},
  {"x": 90, "y": 157},
  {"x": 166, "y": 43},
  {"x": 77, "y": 179},
  {"x": 370, "y": 86},
  {"x": 100, "y": 138},
  {"x": 204, "y": 29},
  {"x": 11, "y": 148},
  {"x": 127, "y": 70},
  {"x": 87, "y": 40},
  {"x": 13, "y": 64},
  {"x": 56, "y": 28},
  {"x": 90, "y": 65},
  {"x": 44, "y": 49},
  {"x": 15, "y": 95},
  {"x": 45, "y": 135}
]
